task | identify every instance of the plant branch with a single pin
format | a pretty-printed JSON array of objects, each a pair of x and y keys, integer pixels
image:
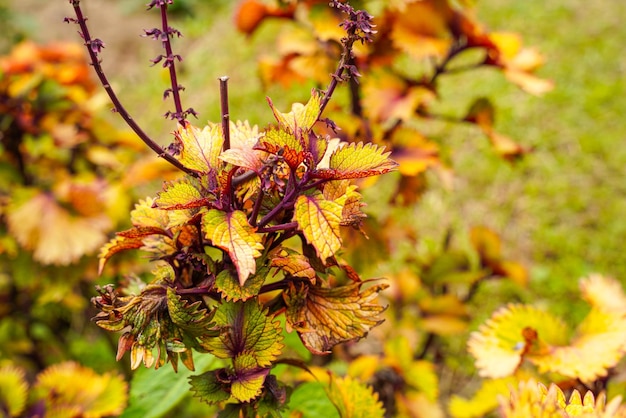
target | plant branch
[{"x": 94, "y": 46}]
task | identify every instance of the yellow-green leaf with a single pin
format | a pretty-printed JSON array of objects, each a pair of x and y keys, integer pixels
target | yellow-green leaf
[
  {"x": 249, "y": 377},
  {"x": 325, "y": 317},
  {"x": 319, "y": 220},
  {"x": 354, "y": 399},
  {"x": 146, "y": 215},
  {"x": 356, "y": 161},
  {"x": 181, "y": 194},
  {"x": 13, "y": 390},
  {"x": 228, "y": 285},
  {"x": 200, "y": 149},
  {"x": 232, "y": 233}
]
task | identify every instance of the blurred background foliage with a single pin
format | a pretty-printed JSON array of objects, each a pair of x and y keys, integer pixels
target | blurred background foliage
[{"x": 558, "y": 210}]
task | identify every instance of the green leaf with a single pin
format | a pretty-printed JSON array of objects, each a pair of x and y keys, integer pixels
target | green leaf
[
  {"x": 356, "y": 161},
  {"x": 354, "y": 399},
  {"x": 13, "y": 390},
  {"x": 326, "y": 317},
  {"x": 319, "y": 220},
  {"x": 309, "y": 400},
  {"x": 228, "y": 285},
  {"x": 301, "y": 116},
  {"x": 200, "y": 149},
  {"x": 211, "y": 387},
  {"x": 190, "y": 317},
  {"x": 153, "y": 393},
  {"x": 232, "y": 233},
  {"x": 246, "y": 328}
]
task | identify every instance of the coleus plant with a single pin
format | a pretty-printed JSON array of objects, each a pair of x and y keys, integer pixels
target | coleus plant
[{"x": 251, "y": 231}]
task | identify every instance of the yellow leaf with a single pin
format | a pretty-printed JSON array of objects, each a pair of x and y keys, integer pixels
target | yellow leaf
[
  {"x": 200, "y": 149},
  {"x": 357, "y": 161},
  {"x": 302, "y": 117},
  {"x": 599, "y": 344},
  {"x": 232, "y": 233},
  {"x": 91, "y": 395},
  {"x": 319, "y": 220},
  {"x": 499, "y": 344},
  {"x": 533, "y": 400}
]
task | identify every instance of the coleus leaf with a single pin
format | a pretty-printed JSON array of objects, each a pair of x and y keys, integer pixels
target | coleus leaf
[
  {"x": 200, "y": 149},
  {"x": 294, "y": 264},
  {"x": 125, "y": 240},
  {"x": 211, "y": 387},
  {"x": 191, "y": 317},
  {"x": 248, "y": 377},
  {"x": 319, "y": 220},
  {"x": 356, "y": 161},
  {"x": 325, "y": 317},
  {"x": 246, "y": 328},
  {"x": 228, "y": 285},
  {"x": 181, "y": 194},
  {"x": 354, "y": 399},
  {"x": 146, "y": 215},
  {"x": 302, "y": 117},
  {"x": 231, "y": 232},
  {"x": 95, "y": 396}
]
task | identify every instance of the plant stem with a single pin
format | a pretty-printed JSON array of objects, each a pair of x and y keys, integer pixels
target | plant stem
[
  {"x": 225, "y": 113},
  {"x": 93, "y": 46},
  {"x": 167, "y": 33}
]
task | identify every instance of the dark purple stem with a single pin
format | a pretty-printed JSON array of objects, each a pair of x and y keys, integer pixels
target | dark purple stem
[
  {"x": 277, "y": 228},
  {"x": 225, "y": 112},
  {"x": 93, "y": 48},
  {"x": 170, "y": 63}
]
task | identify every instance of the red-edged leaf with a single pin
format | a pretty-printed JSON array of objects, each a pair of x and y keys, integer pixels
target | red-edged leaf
[
  {"x": 181, "y": 194},
  {"x": 319, "y": 220},
  {"x": 356, "y": 161},
  {"x": 286, "y": 144},
  {"x": 126, "y": 240},
  {"x": 200, "y": 149}
]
